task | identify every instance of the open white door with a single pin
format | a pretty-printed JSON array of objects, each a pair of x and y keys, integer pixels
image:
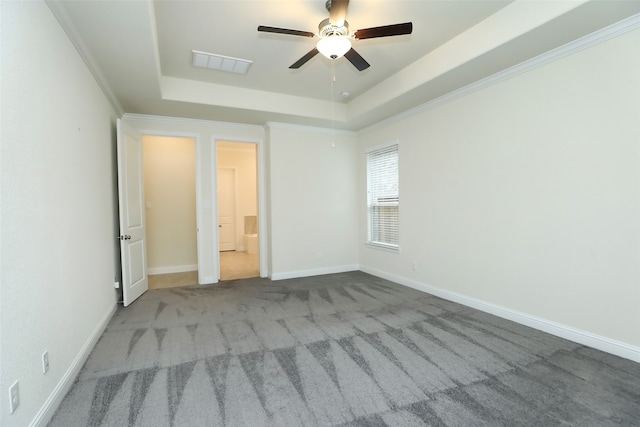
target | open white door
[
  {"x": 226, "y": 209},
  {"x": 133, "y": 251}
]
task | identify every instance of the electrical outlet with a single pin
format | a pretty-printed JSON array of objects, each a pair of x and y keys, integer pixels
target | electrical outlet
[
  {"x": 14, "y": 397},
  {"x": 414, "y": 266},
  {"x": 45, "y": 362},
  {"x": 116, "y": 284}
]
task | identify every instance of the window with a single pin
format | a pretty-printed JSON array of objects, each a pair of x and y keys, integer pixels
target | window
[{"x": 383, "y": 196}]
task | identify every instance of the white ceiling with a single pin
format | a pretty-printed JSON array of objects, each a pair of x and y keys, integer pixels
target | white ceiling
[{"x": 140, "y": 53}]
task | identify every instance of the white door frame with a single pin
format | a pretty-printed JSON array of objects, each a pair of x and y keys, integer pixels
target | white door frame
[
  {"x": 206, "y": 204},
  {"x": 196, "y": 138},
  {"x": 262, "y": 200}
]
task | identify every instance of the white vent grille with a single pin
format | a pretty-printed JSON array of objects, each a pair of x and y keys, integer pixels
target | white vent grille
[{"x": 220, "y": 62}]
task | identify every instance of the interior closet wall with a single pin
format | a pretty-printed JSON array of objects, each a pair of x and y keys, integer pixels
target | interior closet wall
[{"x": 170, "y": 204}]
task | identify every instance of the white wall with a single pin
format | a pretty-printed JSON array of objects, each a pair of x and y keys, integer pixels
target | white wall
[
  {"x": 170, "y": 204},
  {"x": 242, "y": 158},
  {"x": 526, "y": 195},
  {"x": 313, "y": 201},
  {"x": 57, "y": 215}
]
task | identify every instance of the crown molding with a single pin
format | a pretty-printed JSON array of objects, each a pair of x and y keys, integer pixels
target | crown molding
[
  {"x": 193, "y": 122},
  {"x": 607, "y": 33},
  {"x": 70, "y": 30},
  {"x": 305, "y": 128}
]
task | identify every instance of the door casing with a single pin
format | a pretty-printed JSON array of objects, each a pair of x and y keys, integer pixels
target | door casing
[{"x": 206, "y": 205}]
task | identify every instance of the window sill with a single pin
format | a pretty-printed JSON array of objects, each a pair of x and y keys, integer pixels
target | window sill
[{"x": 383, "y": 247}]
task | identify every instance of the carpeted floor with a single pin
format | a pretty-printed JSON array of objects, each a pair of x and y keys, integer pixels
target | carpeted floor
[{"x": 344, "y": 349}]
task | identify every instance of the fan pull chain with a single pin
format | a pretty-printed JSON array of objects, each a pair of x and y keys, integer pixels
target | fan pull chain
[{"x": 333, "y": 83}]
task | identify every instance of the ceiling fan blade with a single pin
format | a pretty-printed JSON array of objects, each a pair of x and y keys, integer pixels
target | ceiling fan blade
[
  {"x": 300, "y": 62},
  {"x": 338, "y": 12},
  {"x": 285, "y": 31},
  {"x": 357, "y": 60},
  {"x": 384, "y": 31}
]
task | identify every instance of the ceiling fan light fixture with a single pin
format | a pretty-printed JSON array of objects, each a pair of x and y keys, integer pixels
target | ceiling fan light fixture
[{"x": 334, "y": 47}]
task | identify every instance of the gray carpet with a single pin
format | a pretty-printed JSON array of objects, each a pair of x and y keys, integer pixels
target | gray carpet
[{"x": 343, "y": 349}]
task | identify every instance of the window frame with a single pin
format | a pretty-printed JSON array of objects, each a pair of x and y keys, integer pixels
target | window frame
[{"x": 370, "y": 241}]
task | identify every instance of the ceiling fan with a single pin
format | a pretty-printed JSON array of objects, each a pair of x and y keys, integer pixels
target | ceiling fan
[{"x": 335, "y": 39}]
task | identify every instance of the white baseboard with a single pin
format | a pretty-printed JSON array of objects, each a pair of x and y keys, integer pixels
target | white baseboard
[
  {"x": 172, "y": 269},
  {"x": 599, "y": 342},
  {"x": 50, "y": 406},
  {"x": 314, "y": 272}
]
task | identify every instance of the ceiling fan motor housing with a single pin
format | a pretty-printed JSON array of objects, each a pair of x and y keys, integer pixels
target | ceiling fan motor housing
[{"x": 327, "y": 29}]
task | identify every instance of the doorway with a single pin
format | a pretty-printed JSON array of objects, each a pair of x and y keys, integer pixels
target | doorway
[
  {"x": 169, "y": 165},
  {"x": 237, "y": 190}
]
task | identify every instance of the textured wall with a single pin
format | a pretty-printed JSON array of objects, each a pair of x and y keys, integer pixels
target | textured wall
[
  {"x": 526, "y": 194},
  {"x": 313, "y": 199},
  {"x": 57, "y": 212}
]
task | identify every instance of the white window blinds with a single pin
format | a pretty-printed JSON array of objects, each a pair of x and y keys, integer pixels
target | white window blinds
[{"x": 383, "y": 197}]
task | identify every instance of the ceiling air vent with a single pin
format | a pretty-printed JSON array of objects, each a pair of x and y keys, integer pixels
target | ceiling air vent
[{"x": 220, "y": 62}]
